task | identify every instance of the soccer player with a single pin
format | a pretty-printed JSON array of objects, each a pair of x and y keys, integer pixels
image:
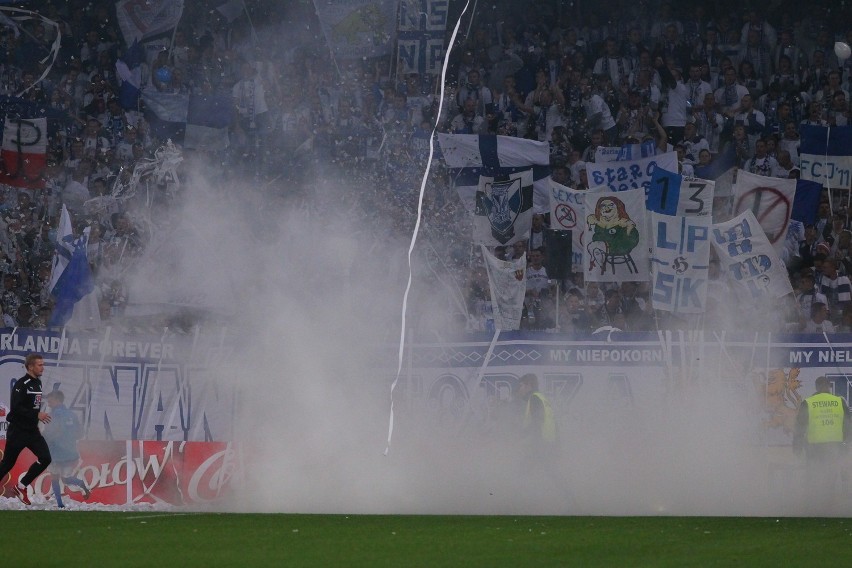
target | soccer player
[{"x": 23, "y": 418}]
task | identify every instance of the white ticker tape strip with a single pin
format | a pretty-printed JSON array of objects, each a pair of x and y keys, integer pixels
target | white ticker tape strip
[{"x": 417, "y": 224}]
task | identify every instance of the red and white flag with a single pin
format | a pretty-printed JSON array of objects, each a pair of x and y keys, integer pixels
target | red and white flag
[{"x": 24, "y": 152}]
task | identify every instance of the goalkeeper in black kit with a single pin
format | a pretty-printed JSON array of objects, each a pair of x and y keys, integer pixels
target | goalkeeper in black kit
[{"x": 24, "y": 415}]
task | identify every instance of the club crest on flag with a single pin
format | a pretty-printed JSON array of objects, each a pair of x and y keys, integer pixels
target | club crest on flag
[
  {"x": 503, "y": 212},
  {"x": 501, "y": 202},
  {"x": 680, "y": 265}
]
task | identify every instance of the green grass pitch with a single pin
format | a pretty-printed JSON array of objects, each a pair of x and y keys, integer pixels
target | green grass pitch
[{"x": 127, "y": 539}]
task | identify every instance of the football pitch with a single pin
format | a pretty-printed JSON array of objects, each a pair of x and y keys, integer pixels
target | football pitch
[{"x": 126, "y": 539}]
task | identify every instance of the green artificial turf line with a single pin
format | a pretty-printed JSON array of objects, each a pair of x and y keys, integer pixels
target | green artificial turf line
[{"x": 100, "y": 539}]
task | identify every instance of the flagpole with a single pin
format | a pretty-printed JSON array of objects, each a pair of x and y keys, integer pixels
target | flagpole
[
  {"x": 558, "y": 293},
  {"x": 470, "y": 23},
  {"x": 828, "y": 183},
  {"x": 251, "y": 24},
  {"x": 393, "y": 64},
  {"x": 327, "y": 40},
  {"x": 172, "y": 44}
]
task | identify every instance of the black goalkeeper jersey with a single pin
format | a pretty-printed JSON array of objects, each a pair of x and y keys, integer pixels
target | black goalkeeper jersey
[{"x": 25, "y": 403}]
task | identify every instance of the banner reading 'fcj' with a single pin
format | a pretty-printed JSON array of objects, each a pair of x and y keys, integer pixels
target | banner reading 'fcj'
[{"x": 826, "y": 155}]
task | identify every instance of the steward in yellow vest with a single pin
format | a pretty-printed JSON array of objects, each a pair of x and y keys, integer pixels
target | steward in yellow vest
[
  {"x": 823, "y": 424},
  {"x": 539, "y": 423}
]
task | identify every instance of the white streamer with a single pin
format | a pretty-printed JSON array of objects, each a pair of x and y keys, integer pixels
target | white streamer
[
  {"x": 54, "y": 48},
  {"x": 417, "y": 224}
]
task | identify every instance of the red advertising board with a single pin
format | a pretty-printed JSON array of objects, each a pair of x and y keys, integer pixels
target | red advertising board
[{"x": 136, "y": 472}]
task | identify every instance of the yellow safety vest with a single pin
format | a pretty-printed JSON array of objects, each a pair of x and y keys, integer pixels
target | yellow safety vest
[
  {"x": 825, "y": 418},
  {"x": 548, "y": 425}
]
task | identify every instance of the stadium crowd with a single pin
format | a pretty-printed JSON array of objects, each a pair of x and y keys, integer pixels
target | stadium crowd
[{"x": 695, "y": 77}]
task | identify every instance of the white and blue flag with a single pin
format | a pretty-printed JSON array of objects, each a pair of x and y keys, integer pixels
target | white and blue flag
[
  {"x": 749, "y": 259},
  {"x": 469, "y": 156}
]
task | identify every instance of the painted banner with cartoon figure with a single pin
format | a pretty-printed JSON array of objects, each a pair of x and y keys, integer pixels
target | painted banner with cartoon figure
[{"x": 616, "y": 236}]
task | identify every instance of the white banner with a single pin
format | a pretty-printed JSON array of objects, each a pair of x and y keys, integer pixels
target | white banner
[
  {"x": 604, "y": 154},
  {"x": 139, "y": 19},
  {"x": 617, "y": 248},
  {"x": 830, "y": 171},
  {"x": 629, "y": 174},
  {"x": 508, "y": 284},
  {"x": 748, "y": 258},
  {"x": 625, "y": 152},
  {"x": 503, "y": 212},
  {"x": 680, "y": 262},
  {"x": 567, "y": 211},
  {"x": 771, "y": 201},
  {"x": 826, "y": 155}
]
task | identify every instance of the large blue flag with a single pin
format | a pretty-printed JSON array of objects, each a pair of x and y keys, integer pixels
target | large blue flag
[{"x": 806, "y": 201}]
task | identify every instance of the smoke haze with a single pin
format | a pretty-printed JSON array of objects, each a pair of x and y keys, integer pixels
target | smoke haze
[
  {"x": 318, "y": 285},
  {"x": 317, "y": 305}
]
